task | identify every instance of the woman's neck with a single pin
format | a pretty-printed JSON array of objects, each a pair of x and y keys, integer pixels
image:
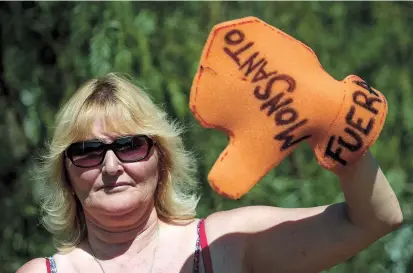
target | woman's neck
[{"x": 109, "y": 238}]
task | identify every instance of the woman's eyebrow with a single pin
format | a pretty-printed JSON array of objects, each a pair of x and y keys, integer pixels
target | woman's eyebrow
[
  {"x": 94, "y": 138},
  {"x": 107, "y": 139}
]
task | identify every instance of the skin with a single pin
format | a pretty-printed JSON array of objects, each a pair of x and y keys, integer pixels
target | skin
[{"x": 122, "y": 224}]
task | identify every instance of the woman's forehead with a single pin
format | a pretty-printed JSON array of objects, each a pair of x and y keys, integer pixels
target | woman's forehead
[
  {"x": 103, "y": 129},
  {"x": 99, "y": 129},
  {"x": 105, "y": 123}
]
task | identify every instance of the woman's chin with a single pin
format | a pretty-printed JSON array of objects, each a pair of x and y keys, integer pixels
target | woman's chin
[{"x": 118, "y": 202}]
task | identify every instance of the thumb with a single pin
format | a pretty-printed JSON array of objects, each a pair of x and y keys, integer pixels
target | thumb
[{"x": 243, "y": 163}]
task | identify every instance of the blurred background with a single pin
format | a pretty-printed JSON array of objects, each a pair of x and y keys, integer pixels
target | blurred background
[{"x": 48, "y": 49}]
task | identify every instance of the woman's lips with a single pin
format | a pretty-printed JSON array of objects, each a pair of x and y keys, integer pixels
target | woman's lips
[{"x": 118, "y": 184}]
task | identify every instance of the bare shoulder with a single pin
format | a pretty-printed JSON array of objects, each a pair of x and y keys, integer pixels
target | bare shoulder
[
  {"x": 229, "y": 234},
  {"x": 37, "y": 265},
  {"x": 228, "y": 222}
]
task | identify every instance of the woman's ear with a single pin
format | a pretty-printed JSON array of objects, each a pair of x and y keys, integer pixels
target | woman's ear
[
  {"x": 66, "y": 177},
  {"x": 161, "y": 169}
]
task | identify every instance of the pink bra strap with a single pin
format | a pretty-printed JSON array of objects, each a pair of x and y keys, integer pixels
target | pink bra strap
[
  {"x": 206, "y": 255},
  {"x": 48, "y": 265}
]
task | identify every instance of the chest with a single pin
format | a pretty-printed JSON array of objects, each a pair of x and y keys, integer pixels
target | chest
[
  {"x": 175, "y": 254},
  {"x": 168, "y": 260}
]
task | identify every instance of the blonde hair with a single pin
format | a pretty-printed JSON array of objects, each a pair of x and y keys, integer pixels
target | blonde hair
[{"x": 126, "y": 109}]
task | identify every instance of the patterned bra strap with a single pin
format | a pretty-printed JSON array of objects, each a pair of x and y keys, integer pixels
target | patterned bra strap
[
  {"x": 202, "y": 247},
  {"x": 51, "y": 265}
]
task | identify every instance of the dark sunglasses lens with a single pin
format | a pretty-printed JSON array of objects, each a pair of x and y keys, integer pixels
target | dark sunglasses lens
[
  {"x": 86, "y": 154},
  {"x": 130, "y": 149}
]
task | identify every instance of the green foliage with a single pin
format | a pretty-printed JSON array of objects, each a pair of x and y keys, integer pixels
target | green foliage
[{"x": 49, "y": 48}]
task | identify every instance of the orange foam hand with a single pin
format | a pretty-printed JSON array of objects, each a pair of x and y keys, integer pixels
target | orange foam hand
[{"x": 269, "y": 93}]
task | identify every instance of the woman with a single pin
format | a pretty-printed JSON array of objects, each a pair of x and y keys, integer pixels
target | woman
[{"x": 123, "y": 197}]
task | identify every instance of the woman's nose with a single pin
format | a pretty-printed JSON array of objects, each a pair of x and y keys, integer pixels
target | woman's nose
[{"x": 111, "y": 164}]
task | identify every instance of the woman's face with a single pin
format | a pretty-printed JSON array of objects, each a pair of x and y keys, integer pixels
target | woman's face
[{"x": 114, "y": 188}]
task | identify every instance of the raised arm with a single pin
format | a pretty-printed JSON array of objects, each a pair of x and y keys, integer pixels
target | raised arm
[{"x": 314, "y": 239}]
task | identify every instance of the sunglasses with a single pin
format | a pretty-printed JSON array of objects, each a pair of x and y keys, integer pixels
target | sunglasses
[{"x": 91, "y": 153}]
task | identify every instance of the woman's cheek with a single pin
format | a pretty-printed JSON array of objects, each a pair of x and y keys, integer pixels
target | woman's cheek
[
  {"x": 84, "y": 179},
  {"x": 144, "y": 170}
]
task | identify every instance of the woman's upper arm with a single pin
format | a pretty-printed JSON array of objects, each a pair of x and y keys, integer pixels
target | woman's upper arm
[
  {"x": 37, "y": 265},
  {"x": 292, "y": 240}
]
